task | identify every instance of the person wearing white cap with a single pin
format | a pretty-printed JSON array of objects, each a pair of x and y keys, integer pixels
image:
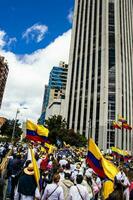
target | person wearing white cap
[{"x": 63, "y": 161}]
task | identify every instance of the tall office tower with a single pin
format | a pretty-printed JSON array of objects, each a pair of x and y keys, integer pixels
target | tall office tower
[
  {"x": 41, "y": 120},
  {"x": 54, "y": 91},
  {"x": 100, "y": 74},
  {"x": 57, "y": 81},
  {"x": 3, "y": 76}
]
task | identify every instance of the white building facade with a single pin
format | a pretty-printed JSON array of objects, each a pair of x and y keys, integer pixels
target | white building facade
[{"x": 100, "y": 73}]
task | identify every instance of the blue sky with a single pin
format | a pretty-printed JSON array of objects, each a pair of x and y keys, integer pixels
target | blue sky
[
  {"x": 17, "y": 16},
  {"x": 34, "y": 36}
]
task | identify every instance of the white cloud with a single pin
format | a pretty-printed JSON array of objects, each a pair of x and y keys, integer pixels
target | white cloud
[
  {"x": 11, "y": 41},
  {"x": 35, "y": 32},
  {"x": 2, "y": 38},
  {"x": 5, "y": 40},
  {"x": 29, "y": 73},
  {"x": 70, "y": 16}
]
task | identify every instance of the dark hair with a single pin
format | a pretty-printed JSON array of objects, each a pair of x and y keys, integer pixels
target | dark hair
[
  {"x": 79, "y": 179},
  {"x": 67, "y": 176},
  {"x": 68, "y": 166},
  {"x": 116, "y": 195},
  {"x": 27, "y": 163}
]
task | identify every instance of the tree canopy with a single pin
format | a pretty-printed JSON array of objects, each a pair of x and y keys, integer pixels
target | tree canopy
[
  {"x": 7, "y": 128},
  {"x": 58, "y": 130}
]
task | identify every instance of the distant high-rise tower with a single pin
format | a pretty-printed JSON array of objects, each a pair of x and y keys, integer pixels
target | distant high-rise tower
[
  {"x": 55, "y": 89},
  {"x": 3, "y": 76},
  {"x": 100, "y": 73}
]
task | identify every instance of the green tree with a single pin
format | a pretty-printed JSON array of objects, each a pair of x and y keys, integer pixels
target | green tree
[
  {"x": 7, "y": 128},
  {"x": 58, "y": 130}
]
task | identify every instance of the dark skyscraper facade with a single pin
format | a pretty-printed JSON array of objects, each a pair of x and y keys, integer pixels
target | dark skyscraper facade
[
  {"x": 3, "y": 76},
  {"x": 100, "y": 74}
]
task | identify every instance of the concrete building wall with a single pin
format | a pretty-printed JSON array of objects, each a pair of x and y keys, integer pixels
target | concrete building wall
[{"x": 100, "y": 73}]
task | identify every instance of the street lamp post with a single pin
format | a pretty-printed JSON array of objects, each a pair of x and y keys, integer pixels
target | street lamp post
[{"x": 14, "y": 125}]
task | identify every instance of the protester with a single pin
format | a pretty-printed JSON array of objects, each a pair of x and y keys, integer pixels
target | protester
[
  {"x": 130, "y": 176},
  {"x": 66, "y": 185},
  {"x": 53, "y": 191},
  {"x": 2, "y": 183},
  {"x": 27, "y": 187},
  {"x": 78, "y": 191},
  {"x": 17, "y": 165}
]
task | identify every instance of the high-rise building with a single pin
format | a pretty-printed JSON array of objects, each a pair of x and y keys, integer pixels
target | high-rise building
[
  {"x": 57, "y": 82},
  {"x": 3, "y": 76},
  {"x": 100, "y": 73},
  {"x": 44, "y": 105},
  {"x": 54, "y": 92}
]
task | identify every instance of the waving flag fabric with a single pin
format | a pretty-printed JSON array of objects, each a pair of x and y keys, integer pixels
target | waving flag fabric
[
  {"x": 36, "y": 169},
  {"x": 36, "y": 132},
  {"x": 126, "y": 126},
  {"x": 94, "y": 158},
  {"x": 42, "y": 131},
  {"x": 122, "y": 119},
  {"x": 116, "y": 125},
  {"x": 98, "y": 163}
]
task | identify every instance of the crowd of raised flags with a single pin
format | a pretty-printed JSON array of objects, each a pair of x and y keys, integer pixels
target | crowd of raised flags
[
  {"x": 122, "y": 123},
  {"x": 95, "y": 159},
  {"x": 90, "y": 174}
]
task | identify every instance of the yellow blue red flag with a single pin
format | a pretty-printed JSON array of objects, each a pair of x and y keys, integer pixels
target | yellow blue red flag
[
  {"x": 42, "y": 131},
  {"x": 98, "y": 163},
  {"x": 122, "y": 119},
  {"x": 35, "y": 132}
]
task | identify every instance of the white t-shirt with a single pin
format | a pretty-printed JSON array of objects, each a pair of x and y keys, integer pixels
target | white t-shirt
[
  {"x": 75, "y": 195},
  {"x": 63, "y": 162},
  {"x": 56, "y": 195}
]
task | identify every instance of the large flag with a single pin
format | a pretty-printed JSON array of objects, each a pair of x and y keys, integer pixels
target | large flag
[
  {"x": 94, "y": 158},
  {"x": 126, "y": 126},
  {"x": 36, "y": 169},
  {"x": 122, "y": 119},
  {"x": 116, "y": 125},
  {"x": 98, "y": 163},
  {"x": 42, "y": 131},
  {"x": 32, "y": 131},
  {"x": 119, "y": 153}
]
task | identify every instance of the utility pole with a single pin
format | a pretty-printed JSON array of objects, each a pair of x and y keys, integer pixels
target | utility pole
[{"x": 14, "y": 126}]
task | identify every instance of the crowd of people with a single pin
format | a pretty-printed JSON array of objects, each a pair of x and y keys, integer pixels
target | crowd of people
[
  {"x": 64, "y": 175},
  {"x": 4, "y": 147}
]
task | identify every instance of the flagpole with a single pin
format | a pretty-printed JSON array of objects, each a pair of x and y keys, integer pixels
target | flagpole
[
  {"x": 122, "y": 136},
  {"x": 109, "y": 123}
]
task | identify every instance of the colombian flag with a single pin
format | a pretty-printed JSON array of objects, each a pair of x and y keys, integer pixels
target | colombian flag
[
  {"x": 103, "y": 167},
  {"x": 36, "y": 132},
  {"x": 122, "y": 119},
  {"x": 126, "y": 126},
  {"x": 116, "y": 125}
]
